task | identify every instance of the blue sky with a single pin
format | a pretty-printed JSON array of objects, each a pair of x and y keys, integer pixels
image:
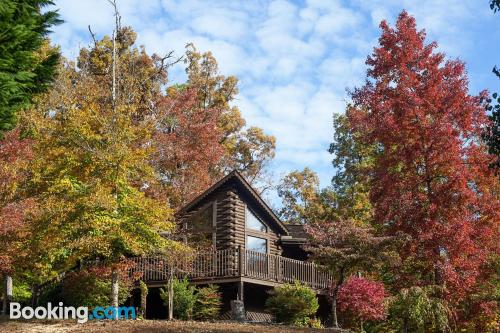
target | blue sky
[{"x": 294, "y": 59}]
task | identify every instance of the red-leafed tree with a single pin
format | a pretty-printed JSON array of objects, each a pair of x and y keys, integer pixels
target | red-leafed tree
[
  {"x": 362, "y": 298},
  {"x": 14, "y": 156},
  {"x": 430, "y": 178},
  {"x": 345, "y": 247},
  {"x": 187, "y": 144}
]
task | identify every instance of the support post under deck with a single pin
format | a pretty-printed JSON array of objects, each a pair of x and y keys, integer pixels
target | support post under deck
[{"x": 241, "y": 293}]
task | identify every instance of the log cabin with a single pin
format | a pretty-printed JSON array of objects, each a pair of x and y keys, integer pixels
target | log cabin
[{"x": 243, "y": 246}]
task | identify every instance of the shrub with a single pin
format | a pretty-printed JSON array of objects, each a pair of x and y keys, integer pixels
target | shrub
[
  {"x": 420, "y": 309},
  {"x": 363, "y": 298},
  {"x": 293, "y": 304},
  {"x": 208, "y": 303},
  {"x": 92, "y": 287},
  {"x": 184, "y": 298}
]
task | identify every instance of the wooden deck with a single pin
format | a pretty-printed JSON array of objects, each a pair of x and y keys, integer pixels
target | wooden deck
[{"x": 235, "y": 265}]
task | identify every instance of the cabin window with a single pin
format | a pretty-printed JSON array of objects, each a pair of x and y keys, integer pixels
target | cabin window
[
  {"x": 203, "y": 220},
  {"x": 257, "y": 244},
  {"x": 201, "y": 231},
  {"x": 253, "y": 223}
]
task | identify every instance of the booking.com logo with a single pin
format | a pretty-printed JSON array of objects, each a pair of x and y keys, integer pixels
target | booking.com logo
[{"x": 81, "y": 313}]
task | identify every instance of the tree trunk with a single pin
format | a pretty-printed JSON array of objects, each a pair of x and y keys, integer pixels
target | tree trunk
[
  {"x": 35, "y": 293},
  {"x": 7, "y": 283},
  {"x": 171, "y": 297},
  {"x": 335, "y": 322},
  {"x": 144, "y": 297},
  {"x": 115, "y": 287},
  {"x": 335, "y": 292},
  {"x": 405, "y": 325}
]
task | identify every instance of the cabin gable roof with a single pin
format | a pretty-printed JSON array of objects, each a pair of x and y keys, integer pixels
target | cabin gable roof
[{"x": 235, "y": 179}]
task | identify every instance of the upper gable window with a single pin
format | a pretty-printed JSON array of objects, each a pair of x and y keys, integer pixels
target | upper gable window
[
  {"x": 253, "y": 223},
  {"x": 203, "y": 220}
]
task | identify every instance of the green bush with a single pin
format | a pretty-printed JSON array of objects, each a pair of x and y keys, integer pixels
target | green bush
[
  {"x": 208, "y": 303},
  {"x": 293, "y": 304},
  {"x": 184, "y": 298}
]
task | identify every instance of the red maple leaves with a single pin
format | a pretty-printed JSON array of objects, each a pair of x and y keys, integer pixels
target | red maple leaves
[
  {"x": 431, "y": 178},
  {"x": 363, "y": 298},
  {"x": 14, "y": 207}
]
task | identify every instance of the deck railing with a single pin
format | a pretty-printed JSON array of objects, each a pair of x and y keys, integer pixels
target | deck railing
[{"x": 235, "y": 262}]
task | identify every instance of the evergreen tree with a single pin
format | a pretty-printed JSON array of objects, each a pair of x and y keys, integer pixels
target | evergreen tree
[{"x": 24, "y": 70}]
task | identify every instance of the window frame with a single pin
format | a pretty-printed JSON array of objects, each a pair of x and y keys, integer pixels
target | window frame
[
  {"x": 257, "y": 233},
  {"x": 256, "y": 237},
  {"x": 212, "y": 230}
]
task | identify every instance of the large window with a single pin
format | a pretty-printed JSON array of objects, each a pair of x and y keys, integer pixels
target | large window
[
  {"x": 253, "y": 223},
  {"x": 257, "y": 244},
  {"x": 203, "y": 220},
  {"x": 201, "y": 228}
]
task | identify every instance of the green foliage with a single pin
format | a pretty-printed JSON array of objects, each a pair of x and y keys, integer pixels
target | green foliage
[
  {"x": 293, "y": 304},
  {"x": 208, "y": 303},
  {"x": 193, "y": 303},
  {"x": 419, "y": 310},
  {"x": 21, "y": 292},
  {"x": 24, "y": 71},
  {"x": 91, "y": 288},
  {"x": 184, "y": 298}
]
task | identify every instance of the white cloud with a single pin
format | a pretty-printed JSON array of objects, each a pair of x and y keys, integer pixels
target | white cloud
[{"x": 294, "y": 59}]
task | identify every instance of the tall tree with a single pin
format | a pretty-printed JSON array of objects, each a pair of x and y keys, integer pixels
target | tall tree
[
  {"x": 92, "y": 172},
  {"x": 430, "y": 177},
  {"x": 248, "y": 150},
  {"x": 187, "y": 144},
  {"x": 492, "y": 133},
  {"x": 304, "y": 201},
  {"x": 298, "y": 190},
  {"x": 352, "y": 159},
  {"x": 24, "y": 72}
]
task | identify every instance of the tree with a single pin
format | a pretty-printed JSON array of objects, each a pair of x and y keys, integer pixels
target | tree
[
  {"x": 15, "y": 206},
  {"x": 492, "y": 133},
  {"x": 91, "y": 171},
  {"x": 24, "y": 71},
  {"x": 299, "y": 190},
  {"x": 186, "y": 142},
  {"x": 345, "y": 247},
  {"x": 430, "y": 178},
  {"x": 352, "y": 159},
  {"x": 208, "y": 303},
  {"x": 363, "y": 298},
  {"x": 246, "y": 150}
]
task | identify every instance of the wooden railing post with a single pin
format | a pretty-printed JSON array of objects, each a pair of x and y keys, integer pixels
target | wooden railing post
[
  {"x": 241, "y": 261},
  {"x": 313, "y": 279}
]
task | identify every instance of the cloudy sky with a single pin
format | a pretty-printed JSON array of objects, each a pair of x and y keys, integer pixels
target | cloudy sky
[{"x": 294, "y": 59}]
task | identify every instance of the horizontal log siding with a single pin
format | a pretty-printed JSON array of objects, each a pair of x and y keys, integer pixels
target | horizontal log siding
[{"x": 230, "y": 220}]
